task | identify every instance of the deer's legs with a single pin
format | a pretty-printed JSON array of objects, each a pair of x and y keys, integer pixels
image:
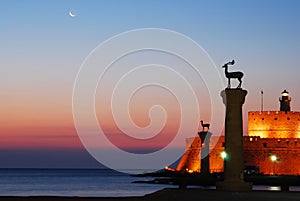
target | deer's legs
[
  {"x": 240, "y": 84},
  {"x": 228, "y": 83}
]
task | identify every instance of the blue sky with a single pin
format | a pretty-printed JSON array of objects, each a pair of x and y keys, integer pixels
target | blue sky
[{"x": 42, "y": 47}]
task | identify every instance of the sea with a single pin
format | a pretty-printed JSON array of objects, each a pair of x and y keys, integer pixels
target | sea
[
  {"x": 83, "y": 182},
  {"x": 73, "y": 182}
]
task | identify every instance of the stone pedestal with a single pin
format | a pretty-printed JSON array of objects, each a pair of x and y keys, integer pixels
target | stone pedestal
[
  {"x": 234, "y": 162},
  {"x": 205, "y": 139}
]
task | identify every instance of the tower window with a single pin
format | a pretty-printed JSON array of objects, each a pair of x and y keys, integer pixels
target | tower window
[
  {"x": 262, "y": 118},
  {"x": 288, "y": 118},
  {"x": 265, "y": 144},
  {"x": 275, "y": 118}
]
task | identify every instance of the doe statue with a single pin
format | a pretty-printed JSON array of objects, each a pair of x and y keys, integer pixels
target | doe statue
[
  {"x": 237, "y": 75},
  {"x": 204, "y": 125}
]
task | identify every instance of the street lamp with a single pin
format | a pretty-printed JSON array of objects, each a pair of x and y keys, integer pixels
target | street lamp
[
  {"x": 274, "y": 158},
  {"x": 223, "y": 155}
]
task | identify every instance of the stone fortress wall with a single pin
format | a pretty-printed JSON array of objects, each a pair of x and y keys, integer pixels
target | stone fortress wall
[
  {"x": 191, "y": 158},
  {"x": 274, "y": 124},
  {"x": 257, "y": 152}
]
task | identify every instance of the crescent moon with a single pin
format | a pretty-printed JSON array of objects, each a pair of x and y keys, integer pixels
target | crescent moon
[{"x": 71, "y": 14}]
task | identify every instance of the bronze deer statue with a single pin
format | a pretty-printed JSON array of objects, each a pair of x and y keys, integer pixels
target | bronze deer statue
[
  {"x": 237, "y": 75},
  {"x": 204, "y": 125}
]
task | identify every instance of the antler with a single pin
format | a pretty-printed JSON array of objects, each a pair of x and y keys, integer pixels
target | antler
[{"x": 229, "y": 63}]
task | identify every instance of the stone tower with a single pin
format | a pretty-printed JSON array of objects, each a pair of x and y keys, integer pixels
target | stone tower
[{"x": 285, "y": 101}]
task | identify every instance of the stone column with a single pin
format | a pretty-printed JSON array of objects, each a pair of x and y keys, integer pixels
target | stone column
[
  {"x": 234, "y": 162},
  {"x": 205, "y": 139}
]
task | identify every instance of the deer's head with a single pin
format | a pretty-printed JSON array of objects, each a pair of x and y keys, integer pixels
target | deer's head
[{"x": 228, "y": 63}]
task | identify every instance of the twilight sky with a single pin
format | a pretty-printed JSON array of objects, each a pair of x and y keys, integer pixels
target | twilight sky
[{"x": 42, "y": 49}]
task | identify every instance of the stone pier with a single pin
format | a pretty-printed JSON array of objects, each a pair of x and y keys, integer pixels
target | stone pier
[{"x": 234, "y": 161}]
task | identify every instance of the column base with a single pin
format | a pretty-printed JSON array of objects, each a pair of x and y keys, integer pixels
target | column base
[{"x": 234, "y": 186}]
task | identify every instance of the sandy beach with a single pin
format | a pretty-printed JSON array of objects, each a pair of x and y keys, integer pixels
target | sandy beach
[{"x": 180, "y": 195}]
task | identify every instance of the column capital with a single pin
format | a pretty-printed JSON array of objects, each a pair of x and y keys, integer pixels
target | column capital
[
  {"x": 233, "y": 96},
  {"x": 204, "y": 135}
]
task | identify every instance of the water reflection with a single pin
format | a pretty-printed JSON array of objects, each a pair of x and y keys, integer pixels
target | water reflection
[
  {"x": 257, "y": 188},
  {"x": 275, "y": 188},
  {"x": 267, "y": 188}
]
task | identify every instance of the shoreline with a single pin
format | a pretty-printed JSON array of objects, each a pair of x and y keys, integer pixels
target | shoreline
[{"x": 175, "y": 194}]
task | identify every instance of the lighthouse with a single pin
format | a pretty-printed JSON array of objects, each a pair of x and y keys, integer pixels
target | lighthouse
[{"x": 285, "y": 101}]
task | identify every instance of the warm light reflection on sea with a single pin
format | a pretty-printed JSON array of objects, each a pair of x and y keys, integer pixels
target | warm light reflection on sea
[
  {"x": 275, "y": 188},
  {"x": 258, "y": 188}
]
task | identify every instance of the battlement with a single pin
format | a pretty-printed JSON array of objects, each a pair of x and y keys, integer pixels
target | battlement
[
  {"x": 279, "y": 113},
  {"x": 274, "y": 124}
]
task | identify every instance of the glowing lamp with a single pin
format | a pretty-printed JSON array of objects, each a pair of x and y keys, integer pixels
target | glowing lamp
[
  {"x": 188, "y": 170},
  {"x": 273, "y": 158},
  {"x": 223, "y": 155},
  {"x": 285, "y": 93}
]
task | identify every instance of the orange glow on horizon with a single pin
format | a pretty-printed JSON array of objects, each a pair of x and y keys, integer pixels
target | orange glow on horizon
[{"x": 39, "y": 137}]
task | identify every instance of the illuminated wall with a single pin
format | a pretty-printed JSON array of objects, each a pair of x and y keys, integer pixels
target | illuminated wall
[
  {"x": 257, "y": 152},
  {"x": 191, "y": 158},
  {"x": 274, "y": 124}
]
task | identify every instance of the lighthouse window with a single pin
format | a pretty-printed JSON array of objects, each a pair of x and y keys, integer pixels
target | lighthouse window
[
  {"x": 265, "y": 144},
  {"x": 275, "y": 118},
  {"x": 288, "y": 118},
  {"x": 263, "y": 119}
]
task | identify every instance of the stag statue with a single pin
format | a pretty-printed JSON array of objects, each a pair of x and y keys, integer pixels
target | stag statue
[
  {"x": 237, "y": 75},
  {"x": 204, "y": 125}
]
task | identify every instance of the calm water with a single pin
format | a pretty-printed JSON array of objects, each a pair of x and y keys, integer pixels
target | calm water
[
  {"x": 71, "y": 182},
  {"x": 80, "y": 182}
]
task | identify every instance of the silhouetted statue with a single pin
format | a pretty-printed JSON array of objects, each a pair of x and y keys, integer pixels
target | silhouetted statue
[
  {"x": 204, "y": 125},
  {"x": 237, "y": 75}
]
